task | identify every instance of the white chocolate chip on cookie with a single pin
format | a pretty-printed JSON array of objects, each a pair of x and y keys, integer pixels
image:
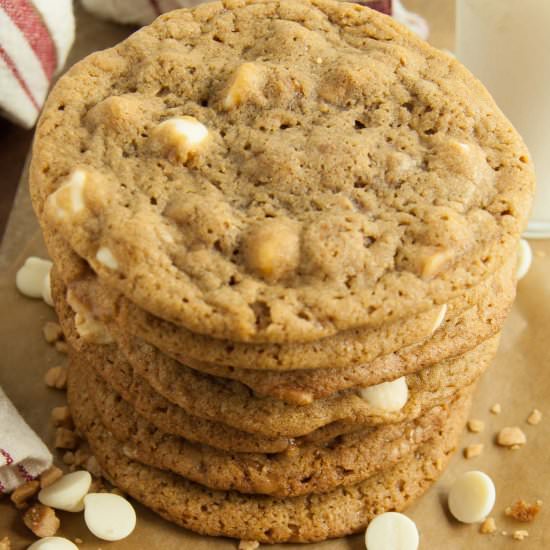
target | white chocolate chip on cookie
[
  {"x": 434, "y": 264},
  {"x": 272, "y": 248},
  {"x": 105, "y": 256},
  {"x": 183, "y": 136},
  {"x": 392, "y": 530},
  {"x": 68, "y": 200},
  {"x": 525, "y": 257},
  {"x": 440, "y": 318},
  {"x": 388, "y": 396},
  {"x": 53, "y": 543},
  {"x": 31, "y": 277},
  {"x": 68, "y": 492},
  {"x": 109, "y": 516},
  {"x": 472, "y": 497},
  {"x": 247, "y": 82},
  {"x": 87, "y": 326}
]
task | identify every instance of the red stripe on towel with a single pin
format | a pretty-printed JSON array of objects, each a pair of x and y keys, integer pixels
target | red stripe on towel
[
  {"x": 17, "y": 75},
  {"x": 29, "y": 21}
]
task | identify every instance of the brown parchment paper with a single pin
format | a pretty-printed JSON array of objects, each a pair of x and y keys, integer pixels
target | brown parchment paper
[{"x": 519, "y": 380}]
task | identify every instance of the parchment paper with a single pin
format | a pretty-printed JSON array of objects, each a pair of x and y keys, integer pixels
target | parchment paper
[{"x": 519, "y": 380}]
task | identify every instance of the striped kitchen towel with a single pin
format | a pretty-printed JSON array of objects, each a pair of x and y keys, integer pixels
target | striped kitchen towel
[
  {"x": 35, "y": 38},
  {"x": 23, "y": 455}
]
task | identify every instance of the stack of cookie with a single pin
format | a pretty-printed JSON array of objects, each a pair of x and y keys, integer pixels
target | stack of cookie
[{"x": 285, "y": 238}]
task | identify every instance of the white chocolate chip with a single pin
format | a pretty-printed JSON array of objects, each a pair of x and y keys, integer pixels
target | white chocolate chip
[
  {"x": 388, "y": 396},
  {"x": 87, "y": 326},
  {"x": 440, "y": 318},
  {"x": 109, "y": 516},
  {"x": 105, "y": 256},
  {"x": 185, "y": 136},
  {"x": 472, "y": 497},
  {"x": 31, "y": 276},
  {"x": 247, "y": 81},
  {"x": 525, "y": 257},
  {"x": 68, "y": 492},
  {"x": 53, "y": 543},
  {"x": 392, "y": 531},
  {"x": 68, "y": 199},
  {"x": 47, "y": 290}
]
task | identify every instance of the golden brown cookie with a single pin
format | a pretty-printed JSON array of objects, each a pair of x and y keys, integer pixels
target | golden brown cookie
[
  {"x": 308, "y": 518},
  {"x": 309, "y": 468},
  {"x": 280, "y": 171}
]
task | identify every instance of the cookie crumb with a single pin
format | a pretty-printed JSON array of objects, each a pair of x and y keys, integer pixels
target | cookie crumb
[
  {"x": 523, "y": 511},
  {"x": 488, "y": 527},
  {"x": 52, "y": 332},
  {"x": 496, "y": 408},
  {"x": 65, "y": 439},
  {"x": 248, "y": 545},
  {"x": 534, "y": 418},
  {"x": 520, "y": 535},
  {"x": 56, "y": 377},
  {"x": 41, "y": 520},
  {"x": 68, "y": 458},
  {"x": 78, "y": 541},
  {"x": 50, "y": 476},
  {"x": 512, "y": 437},
  {"x": 25, "y": 492},
  {"x": 61, "y": 416},
  {"x": 476, "y": 426},
  {"x": 504, "y": 533},
  {"x": 471, "y": 451},
  {"x": 5, "y": 544},
  {"x": 62, "y": 347},
  {"x": 92, "y": 465}
]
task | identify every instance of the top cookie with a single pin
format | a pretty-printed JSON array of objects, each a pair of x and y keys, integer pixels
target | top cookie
[{"x": 277, "y": 171}]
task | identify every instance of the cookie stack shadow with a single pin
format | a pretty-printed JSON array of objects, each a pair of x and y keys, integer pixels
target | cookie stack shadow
[{"x": 280, "y": 278}]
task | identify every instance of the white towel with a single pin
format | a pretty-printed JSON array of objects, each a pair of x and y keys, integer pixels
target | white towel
[
  {"x": 35, "y": 38},
  {"x": 23, "y": 455}
]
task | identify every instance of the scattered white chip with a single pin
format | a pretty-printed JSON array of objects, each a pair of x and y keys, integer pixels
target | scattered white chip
[
  {"x": 68, "y": 492},
  {"x": 525, "y": 257},
  {"x": 109, "y": 516},
  {"x": 47, "y": 290},
  {"x": 31, "y": 276},
  {"x": 105, "y": 256},
  {"x": 388, "y": 396},
  {"x": 440, "y": 317},
  {"x": 392, "y": 531},
  {"x": 68, "y": 199},
  {"x": 472, "y": 497},
  {"x": 53, "y": 543}
]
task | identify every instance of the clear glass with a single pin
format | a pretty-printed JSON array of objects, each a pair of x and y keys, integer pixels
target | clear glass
[{"x": 506, "y": 44}]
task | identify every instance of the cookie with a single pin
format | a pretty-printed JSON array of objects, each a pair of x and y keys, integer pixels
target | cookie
[
  {"x": 310, "y": 518},
  {"x": 310, "y": 468},
  {"x": 348, "y": 349},
  {"x": 456, "y": 336},
  {"x": 161, "y": 390},
  {"x": 288, "y": 169}
]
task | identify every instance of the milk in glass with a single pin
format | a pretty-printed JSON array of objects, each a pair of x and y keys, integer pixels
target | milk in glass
[{"x": 506, "y": 44}]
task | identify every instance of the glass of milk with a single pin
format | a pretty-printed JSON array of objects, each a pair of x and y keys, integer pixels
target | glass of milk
[{"x": 506, "y": 44}]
